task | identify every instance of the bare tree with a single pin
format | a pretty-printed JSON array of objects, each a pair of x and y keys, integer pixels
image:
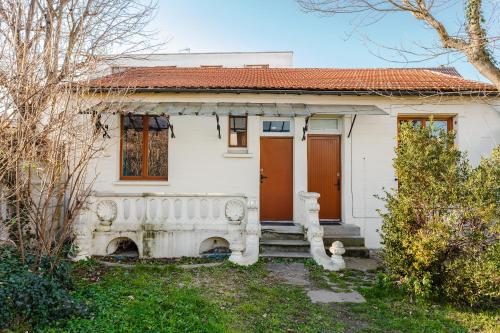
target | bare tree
[
  {"x": 476, "y": 38},
  {"x": 48, "y": 50}
]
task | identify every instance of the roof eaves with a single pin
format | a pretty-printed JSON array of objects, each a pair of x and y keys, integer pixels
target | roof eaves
[{"x": 399, "y": 92}]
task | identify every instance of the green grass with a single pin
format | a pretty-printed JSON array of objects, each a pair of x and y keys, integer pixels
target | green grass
[{"x": 228, "y": 298}]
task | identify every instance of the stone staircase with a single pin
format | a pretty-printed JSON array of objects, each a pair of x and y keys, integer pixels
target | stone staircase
[
  {"x": 350, "y": 236},
  {"x": 288, "y": 241}
]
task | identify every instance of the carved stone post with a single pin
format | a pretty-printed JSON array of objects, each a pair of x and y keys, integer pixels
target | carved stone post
[
  {"x": 337, "y": 250},
  {"x": 82, "y": 231},
  {"x": 251, "y": 236},
  {"x": 314, "y": 231}
]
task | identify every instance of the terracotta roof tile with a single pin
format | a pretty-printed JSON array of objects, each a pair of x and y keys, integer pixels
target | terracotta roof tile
[{"x": 308, "y": 79}]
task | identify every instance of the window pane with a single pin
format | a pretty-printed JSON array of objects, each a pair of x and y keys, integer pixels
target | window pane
[
  {"x": 158, "y": 146},
  {"x": 276, "y": 126},
  {"x": 437, "y": 126},
  {"x": 132, "y": 146},
  {"x": 417, "y": 123},
  {"x": 238, "y": 131},
  {"x": 324, "y": 124}
]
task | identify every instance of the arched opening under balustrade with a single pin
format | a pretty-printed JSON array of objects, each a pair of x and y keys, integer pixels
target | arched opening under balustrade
[
  {"x": 123, "y": 247},
  {"x": 215, "y": 247}
]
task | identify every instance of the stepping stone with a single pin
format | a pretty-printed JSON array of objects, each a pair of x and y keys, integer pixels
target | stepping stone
[
  {"x": 327, "y": 296},
  {"x": 361, "y": 264},
  {"x": 293, "y": 273}
]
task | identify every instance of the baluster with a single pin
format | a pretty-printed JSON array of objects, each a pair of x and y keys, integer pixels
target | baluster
[
  {"x": 191, "y": 208},
  {"x": 177, "y": 209},
  {"x": 139, "y": 209},
  {"x": 126, "y": 209},
  {"x": 204, "y": 208},
  {"x": 152, "y": 210},
  {"x": 165, "y": 210}
]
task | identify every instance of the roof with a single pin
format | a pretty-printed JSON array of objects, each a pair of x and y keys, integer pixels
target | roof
[{"x": 368, "y": 80}]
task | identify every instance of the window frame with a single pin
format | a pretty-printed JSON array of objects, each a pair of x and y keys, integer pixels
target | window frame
[
  {"x": 270, "y": 132},
  {"x": 424, "y": 119},
  {"x": 145, "y": 145},
  {"x": 229, "y": 132},
  {"x": 277, "y": 134}
]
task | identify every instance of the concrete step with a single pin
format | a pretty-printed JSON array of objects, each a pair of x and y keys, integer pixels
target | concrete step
[
  {"x": 277, "y": 254},
  {"x": 346, "y": 240},
  {"x": 353, "y": 251},
  {"x": 282, "y": 232},
  {"x": 284, "y": 245},
  {"x": 342, "y": 230}
]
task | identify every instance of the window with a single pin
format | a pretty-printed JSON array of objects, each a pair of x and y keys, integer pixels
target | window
[
  {"x": 272, "y": 126},
  {"x": 144, "y": 148},
  {"x": 438, "y": 123},
  {"x": 237, "y": 131},
  {"x": 323, "y": 124},
  {"x": 257, "y": 66}
]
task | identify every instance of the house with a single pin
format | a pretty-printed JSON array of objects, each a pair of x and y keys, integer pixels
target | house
[{"x": 261, "y": 157}]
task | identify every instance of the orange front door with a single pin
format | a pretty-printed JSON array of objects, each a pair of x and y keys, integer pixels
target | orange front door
[
  {"x": 323, "y": 169},
  {"x": 276, "y": 179}
]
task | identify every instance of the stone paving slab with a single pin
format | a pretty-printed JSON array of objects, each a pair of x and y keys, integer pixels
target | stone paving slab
[
  {"x": 293, "y": 273},
  {"x": 328, "y": 296},
  {"x": 361, "y": 264}
]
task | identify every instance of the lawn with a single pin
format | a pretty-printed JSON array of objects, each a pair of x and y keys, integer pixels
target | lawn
[{"x": 158, "y": 297}]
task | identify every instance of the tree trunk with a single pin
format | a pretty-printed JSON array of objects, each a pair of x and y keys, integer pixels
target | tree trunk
[{"x": 487, "y": 69}]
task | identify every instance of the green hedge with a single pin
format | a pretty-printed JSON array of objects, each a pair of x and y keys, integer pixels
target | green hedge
[{"x": 441, "y": 225}]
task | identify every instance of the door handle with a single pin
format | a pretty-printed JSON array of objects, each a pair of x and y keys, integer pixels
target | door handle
[
  {"x": 338, "y": 183},
  {"x": 262, "y": 177}
]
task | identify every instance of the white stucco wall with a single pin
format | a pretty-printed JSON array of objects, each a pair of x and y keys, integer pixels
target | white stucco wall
[{"x": 197, "y": 161}]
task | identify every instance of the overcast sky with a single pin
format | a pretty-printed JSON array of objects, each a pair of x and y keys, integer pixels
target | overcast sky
[{"x": 281, "y": 25}]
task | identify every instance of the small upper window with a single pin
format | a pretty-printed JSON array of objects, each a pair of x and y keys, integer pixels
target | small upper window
[
  {"x": 272, "y": 126},
  {"x": 237, "y": 131},
  {"x": 324, "y": 124}
]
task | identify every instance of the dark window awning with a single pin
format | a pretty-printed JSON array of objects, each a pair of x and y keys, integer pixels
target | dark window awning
[{"x": 224, "y": 109}]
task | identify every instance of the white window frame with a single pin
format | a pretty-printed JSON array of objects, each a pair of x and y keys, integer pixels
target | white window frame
[{"x": 326, "y": 131}]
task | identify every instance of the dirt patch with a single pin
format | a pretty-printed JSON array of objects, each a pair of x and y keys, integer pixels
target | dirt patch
[{"x": 352, "y": 322}]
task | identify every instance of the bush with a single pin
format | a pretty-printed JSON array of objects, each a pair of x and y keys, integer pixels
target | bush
[
  {"x": 34, "y": 298},
  {"x": 441, "y": 227}
]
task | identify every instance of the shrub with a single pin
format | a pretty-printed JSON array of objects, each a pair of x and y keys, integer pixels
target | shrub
[
  {"x": 440, "y": 230},
  {"x": 34, "y": 298}
]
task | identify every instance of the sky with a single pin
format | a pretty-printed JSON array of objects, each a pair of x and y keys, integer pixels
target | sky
[{"x": 281, "y": 25}]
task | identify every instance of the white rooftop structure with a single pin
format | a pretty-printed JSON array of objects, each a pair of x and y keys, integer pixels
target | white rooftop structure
[{"x": 278, "y": 59}]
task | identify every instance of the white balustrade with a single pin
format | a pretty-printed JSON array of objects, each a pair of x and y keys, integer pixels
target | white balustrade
[
  {"x": 169, "y": 224},
  {"x": 163, "y": 210}
]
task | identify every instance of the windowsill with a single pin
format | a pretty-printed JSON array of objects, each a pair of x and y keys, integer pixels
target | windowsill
[
  {"x": 237, "y": 155},
  {"x": 141, "y": 183}
]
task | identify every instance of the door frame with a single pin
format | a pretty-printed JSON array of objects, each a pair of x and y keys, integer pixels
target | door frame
[
  {"x": 292, "y": 138},
  {"x": 341, "y": 194}
]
